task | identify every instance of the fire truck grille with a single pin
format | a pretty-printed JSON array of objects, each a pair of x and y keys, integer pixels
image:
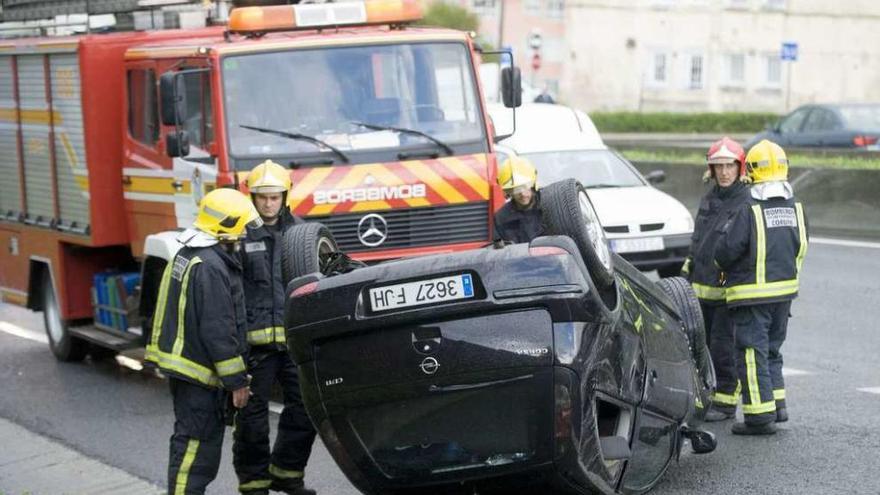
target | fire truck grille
[{"x": 431, "y": 226}]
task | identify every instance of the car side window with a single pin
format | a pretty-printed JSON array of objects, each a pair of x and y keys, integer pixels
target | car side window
[
  {"x": 819, "y": 120},
  {"x": 793, "y": 122},
  {"x": 831, "y": 122}
]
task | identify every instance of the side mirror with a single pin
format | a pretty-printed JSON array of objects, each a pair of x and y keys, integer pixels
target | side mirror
[
  {"x": 511, "y": 87},
  {"x": 177, "y": 143},
  {"x": 655, "y": 176},
  {"x": 172, "y": 95}
]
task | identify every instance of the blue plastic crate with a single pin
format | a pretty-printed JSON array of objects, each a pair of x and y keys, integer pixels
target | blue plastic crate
[{"x": 112, "y": 289}]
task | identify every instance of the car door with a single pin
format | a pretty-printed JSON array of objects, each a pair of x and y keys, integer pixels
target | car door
[
  {"x": 788, "y": 131},
  {"x": 668, "y": 386},
  {"x": 820, "y": 129}
]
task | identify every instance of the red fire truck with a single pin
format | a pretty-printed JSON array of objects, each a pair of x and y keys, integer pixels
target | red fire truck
[{"x": 108, "y": 142}]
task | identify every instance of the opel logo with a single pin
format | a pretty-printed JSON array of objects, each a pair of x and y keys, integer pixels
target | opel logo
[
  {"x": 372, "y": 230},
  {"x": 429, "y": 366}
]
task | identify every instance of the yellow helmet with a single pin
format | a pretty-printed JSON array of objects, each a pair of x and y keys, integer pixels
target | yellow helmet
[
  {"x": 515, "y": 172},
  {"x": 224, "y": 214},
  {"x": 268, "y": 177},
  {"x": 766, "y": 161}
]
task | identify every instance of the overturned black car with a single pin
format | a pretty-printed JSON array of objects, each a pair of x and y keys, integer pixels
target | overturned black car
[{"x": 499, "y": 370}]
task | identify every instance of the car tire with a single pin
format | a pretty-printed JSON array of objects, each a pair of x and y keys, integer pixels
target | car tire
[
  {"x": 567, "y": 210},
  {"x": 669, "y": 271},
  {"x": 306, "y": 249},
  {"x": 64, "y": 346},
  {"x": 682, "y": 295}
]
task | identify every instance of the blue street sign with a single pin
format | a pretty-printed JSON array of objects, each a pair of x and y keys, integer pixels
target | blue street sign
[{"x": 789, "y": 51}]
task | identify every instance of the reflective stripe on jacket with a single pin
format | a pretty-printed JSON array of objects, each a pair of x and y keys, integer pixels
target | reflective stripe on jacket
[
  {"x": 761, "y": 250},
  {"x": 716, "y": 208},
  {"x": 198, "y": 326},
  {"x": 263, "y": 285}
]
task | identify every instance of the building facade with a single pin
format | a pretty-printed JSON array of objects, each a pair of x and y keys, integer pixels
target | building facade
[{"x": 694, "y": 55}]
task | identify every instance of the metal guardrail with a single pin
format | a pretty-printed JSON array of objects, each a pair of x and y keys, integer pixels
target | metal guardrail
[
  {"x": 701, "y": 142},
  {"x": 839, "y": 202}
]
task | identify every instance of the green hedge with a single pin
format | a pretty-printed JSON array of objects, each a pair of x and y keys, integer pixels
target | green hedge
[{"x": 714, "y": 123}]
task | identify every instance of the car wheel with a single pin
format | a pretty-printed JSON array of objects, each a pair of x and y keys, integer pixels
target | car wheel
[
  {"x": 682, "y": 295},
  {"x": 64, "y": 346},
  {"x": 307, "y": 249},
  {"x": 567, "y": 210}
]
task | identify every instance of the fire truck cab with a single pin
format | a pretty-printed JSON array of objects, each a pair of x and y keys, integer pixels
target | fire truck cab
[{"x": 108, "y": 143}]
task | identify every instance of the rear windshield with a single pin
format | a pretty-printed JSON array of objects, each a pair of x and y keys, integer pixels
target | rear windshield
[
  {"x": 862, "y": 118},
  {"x": 593, "y": 168}
]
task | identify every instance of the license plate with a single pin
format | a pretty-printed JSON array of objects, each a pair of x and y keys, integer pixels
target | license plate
[
  {"x": 421, "y": 292},
  {"x": 637, "y": 245}
]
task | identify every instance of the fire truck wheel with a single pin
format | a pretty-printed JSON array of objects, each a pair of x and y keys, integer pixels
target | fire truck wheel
[
  {"x": 65, "y": 346},
  {"x": 567, "y": 210},
  {"x": 307, "y": 249},
  {"x": 682, "y": 295}
]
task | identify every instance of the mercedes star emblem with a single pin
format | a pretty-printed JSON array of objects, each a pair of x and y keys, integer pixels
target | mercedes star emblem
[
  {"x": 372, "y": 230},
  {"x": 429, "y": 366}
]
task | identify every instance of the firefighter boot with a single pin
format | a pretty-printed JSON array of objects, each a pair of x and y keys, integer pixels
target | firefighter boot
[
  {"x": 716, "y": 414},
  {"x": 781, "y": 415},
  {"x": 291, "y": 486},
  {"x": 747, "y": 429}
]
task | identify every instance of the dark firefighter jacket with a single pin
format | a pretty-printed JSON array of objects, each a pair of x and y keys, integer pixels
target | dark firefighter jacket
[
  {"x": 717, "y": 206},
  {"x": 199, "y": 323},
  {"x": 761, "y": 249},
  {"x": 519, "y": 225},
  {"x": 264, "y": 289}
]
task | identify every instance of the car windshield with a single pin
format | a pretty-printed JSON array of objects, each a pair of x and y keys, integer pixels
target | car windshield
[
  {"x": 352, "y": 98},
  {"x": 593, "y": 168},
  {"x": 862, "y": 118}
]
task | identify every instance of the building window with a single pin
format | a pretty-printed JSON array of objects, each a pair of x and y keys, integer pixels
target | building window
[
  {"x": 484, "y": 5},
  {"x": 556, "y": 8},
  {"x": 773, "y": 76},
  {"x": 659, "y": 69},
  {"x": 696, "y": 72},
  {"x": 143, "y": 112},
  {"x": 533, "y": 6},
  {"x": 736, "y": 69}
]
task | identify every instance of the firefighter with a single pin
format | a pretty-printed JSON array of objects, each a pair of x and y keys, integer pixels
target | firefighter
[
  {"x": 198, "y": 336},
  {"x": 761, "y": 250},
  {"x": 727, "y": 167},
  {"x": 260, "y": 468},
  {"x": 519, "y": 220}
]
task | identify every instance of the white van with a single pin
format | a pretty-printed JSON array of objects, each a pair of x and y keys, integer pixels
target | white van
[{"x": 646, "y": 226}]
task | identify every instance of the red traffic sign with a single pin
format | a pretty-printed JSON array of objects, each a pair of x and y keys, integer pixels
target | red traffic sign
[{"x": 536, "y": 61}]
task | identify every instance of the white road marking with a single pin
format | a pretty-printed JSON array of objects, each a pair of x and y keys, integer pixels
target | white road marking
[
  {"x": 276, "y": 407},
  {"x": 794, "y": 372},
  {"x": 842, "y": 242},
  {"x": 870, "y": 390},
  {"x": 11, "y": 329}
]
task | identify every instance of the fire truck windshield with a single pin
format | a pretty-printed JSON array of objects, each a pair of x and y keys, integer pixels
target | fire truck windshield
[{"x": 374, "y": 103}]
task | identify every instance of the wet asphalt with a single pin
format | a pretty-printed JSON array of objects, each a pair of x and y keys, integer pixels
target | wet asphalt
[{"x": 831, "y": 444}]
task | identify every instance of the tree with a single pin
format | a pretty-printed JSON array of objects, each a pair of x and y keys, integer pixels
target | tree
[{"x": 448, "y": 15}]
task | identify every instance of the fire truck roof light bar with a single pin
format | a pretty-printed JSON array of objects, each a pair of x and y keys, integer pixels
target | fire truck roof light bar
[{"x": 311, "y": 16}]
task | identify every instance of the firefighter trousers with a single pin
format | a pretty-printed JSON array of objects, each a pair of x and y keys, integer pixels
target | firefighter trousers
[
  {"x": 194, "y": 456},
  {"x": 257, "y": 467},
  {"x": 720, "y": 337},
  {"x": 760, "y": 333}
]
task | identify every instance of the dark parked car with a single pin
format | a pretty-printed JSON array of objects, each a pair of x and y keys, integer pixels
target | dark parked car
[
  {"x": 846, "y": 125},
  {"x": 505, "y": 369}
]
